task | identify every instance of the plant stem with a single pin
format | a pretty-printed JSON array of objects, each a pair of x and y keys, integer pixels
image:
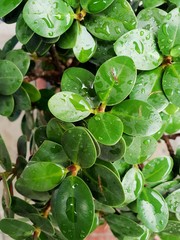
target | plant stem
[{"x": 169, "y": 146}]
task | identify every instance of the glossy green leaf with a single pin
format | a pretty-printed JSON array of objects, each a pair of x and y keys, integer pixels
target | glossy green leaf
[
  {"x": 171, "y": 83},
  {"x": 7, "y": 105},
  {"x": 33, "y": 43},
  {"x": 74, "y": 212},
  {"x": 16, "y": 229},
  {"x": 85, "y": 45},
  {"x": 20, "y": 59},
  {"x": 48, "y": 19},
  {"x": 69, "y": 107},
  {"x": 32, "y": 91},
  {"x": 148, "y": 88},
  {"x": 7, "y": 6},
  {"x": 42, "y": 176},
  {"x": 43, "y": 48},
  {"x": 100, "y": 207},
  {"x": 22, "y": 99},
  {"x": 144, "y": 236},
  {"x": 133, "y": 183},
  {"x": 139, "y": 118},
  {"x": 175, "y": 2},
  {"x": 173, "y": 228},
  {"x": 5, "y": 160},
  {"x": 23, "y": 32},
  {"x": 113, "y": 22},
  {"x": 109, "y": 165},
  {"x": 106, "y": 128},
  {"x": 158, "y": 169},
  {"x": 104, "y": 184},
  {"x": 114, "y": 152},
  {"x": 154, "y": 3},
  {"x": 20, "y": 163},
  {"x": 152, "y": 210},
  {"x": 39, "y": 135},
  {"x": 22, "y": 145},
  {"x": 10, "y": 44},
  {"x": 173, "y": 122},
  {"x": 10, "y": 77},
  {"x": 73, "y": 3},
  {"x": 173, "y": 201},
  {"x": 79, "y": 147},
  {"x": 122, "y": 226},
  {"x": 140, "y": 149},
  {"x": 121, "y": 166},
  {"x": 151, "y": 19},
  {"x": 139, "y": 44},
  {"x": 169, "y": 32},
  {"x": 51, "y": 152},
  {"x": 91, "y": 6},
  {"x": 167, "y": 187},
  {"x": 115, "y": 79}
]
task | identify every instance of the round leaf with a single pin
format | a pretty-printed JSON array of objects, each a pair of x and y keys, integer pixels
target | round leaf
[
  {"x": 152, "y": 210},
  {"x": 7, "y": 105},
  {"x": 139, "y": 118},
  {"x": 115, "y": 79},
  {"x": 69, "y": 107},
  {"x": 158, "y": 169},
  {"x": 171, "y": 83},
  {"x": 154, "y": 3},
  {"x": 91, "y": 6},
  {"x": 42, "y": 176},
  {"x": 106, "y": 128},
  {"x": 74, "y": 212},
  {"x": 139, "y": 44},
  {"x": 22, "y": 99},
  {"x": 7, "y": 6},
  {"x": 10, "y": 77},
  {"x": 79, "y": 147},
  {"x": 169, "y": 32},
  {"x": 113, "y": 22},
  {"x": 173, "y": 123},
  {"x": 133, "y": 183},
  {"x": 32, "y": 91},
  {"x": 173, "y": 201},
  {"x": 48, "y": 18}
]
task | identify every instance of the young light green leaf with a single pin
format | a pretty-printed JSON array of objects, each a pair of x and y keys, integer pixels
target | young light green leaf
[
  {"x": 139, "y": 118},
  {"x": 139, "y": 44},
  {"x": 69, "y": 106},
  {"x": 173, "y": 201},
  {"x": 42, "y": 176},
  {"x": 49, "y": 18},
  {"x": 74, "y": 212},
  {"x": 7, "y": 6},
  {"x": 115, "y": 79},
  {"x": 7, "y": 105},
  {"x": 91, "y": 6},
  {"x": 154, "y": 3},
  {"x": 152, "y": 210}
]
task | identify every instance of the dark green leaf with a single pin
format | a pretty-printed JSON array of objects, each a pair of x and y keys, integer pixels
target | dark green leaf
[
  {"x": 121, "y": 166},
  {"x": 48, "y": 19},
  {"x": 7, "y": 6},
  {"x": 74, "y": 212},
  {"x": 100, "y": 207},
  {"x": 10, "y": 44},
  {"x": 173, "y": 201},
  {"x": 115, "y": 79},
  {"x": 20, "y": 165},
  {"x": 139, "y": 44},
  {"x": 79, "y": 146},
  {"x": 33, "y": 43},
  {"x": 43, "y": 48},
  {"x": 43, "y": 223},
  {"x": 32, "y": 91},
  {"x": 42, "y": 176},
  {"x": 22, "y": 145},
  {"x": 40, "y": 135},
  {"x": 7, "y": 105},
  {"x": 5, "y": 160},
  {"x": 22, "y": 99},
  {"x": 73, "y": 3},
  {"x": 139, "y": 118},
  {"x": 109, "y": 165}
]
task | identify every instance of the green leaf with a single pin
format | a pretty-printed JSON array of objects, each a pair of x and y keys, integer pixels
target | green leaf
[
  {"x": 16, "y": 229},
  {"x": 22, "y": 99},
  {"x": 122, "y": 226},
  {"x": 49, "y": 18},
  {"x": 20, "y": 59},
  {"x": 104, "y": 184},
  {"x": 173, "y": 123},
  {"x": 73, "y": 3},
  {"x": 148, "y": 88},
  {"x": 42, "y": 176},
  {"x": 74, "y": 212},
  {"x": 43, "y": 48},
  {"x": 114, "y": 152},
  {"x": 23, "y": 32},
  {"x": 154, "y": 3},
  {"x": 32, "y": 91},
  {"x": 139, "y": 118},
  {"x": 152, "y": 210},
  {"x": 173, "y": 201},
  {"x": 51, "y": 152},
  {"x": 39, "y": 135},
  {"x": 7, "y": 6},
  {"x": 100, "y": 207},
  {"x": 140, "y": 149},
  {"x": 158, "y": 169},
  {"x": 5, "y": 160},
  {"x": 22, "y": 145},
  {"x": 10, "y": 44},
  {"x": 133, "y": 183},
  {"x": 79, "y": 146},
  {"x": 173, "y": 228},
  {"x": 113, "y": 22},
  {"x": 167, "y": 187},
  {"x": 10, "y": 77},
  {"x": 91, "y": 6},
  {"x": 151, "y": 19},
  {"x": 7, "y": 105},
  {"x": 33, "y": 43},
  {"x": 175, "y": 2},
  {"x": 115, "y": 79},
  {"x": 69, "y": 107},
  {"x": 171, "y": 83},
  {"x": 85, "y": 45},
  {"x": 139, "y": 44},
  {"x": 109, "y": 165},
  {"x": 169, "y": 32},
  {"x": 121, "y": 166},
  {"x": 106, "y": 128}
]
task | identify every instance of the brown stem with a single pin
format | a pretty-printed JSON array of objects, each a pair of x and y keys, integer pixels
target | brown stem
[
  {"x": 55, "y": 59},
  {"x": 174, "y": 136},
  {"x": 47, "y": 210},
  {"x": 169, "y": 146}
]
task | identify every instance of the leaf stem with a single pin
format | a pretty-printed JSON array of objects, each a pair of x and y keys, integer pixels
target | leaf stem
[{"x": 169, "y": 146}]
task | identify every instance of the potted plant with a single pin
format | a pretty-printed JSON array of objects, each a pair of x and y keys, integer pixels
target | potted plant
[{"x": 111, "y": 72}]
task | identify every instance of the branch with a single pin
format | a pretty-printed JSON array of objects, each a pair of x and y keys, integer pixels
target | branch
[
  {"x": 55, "y": 60},
  {"x": 169, "y": 146},
  {"x": 174, "y": 136}
]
